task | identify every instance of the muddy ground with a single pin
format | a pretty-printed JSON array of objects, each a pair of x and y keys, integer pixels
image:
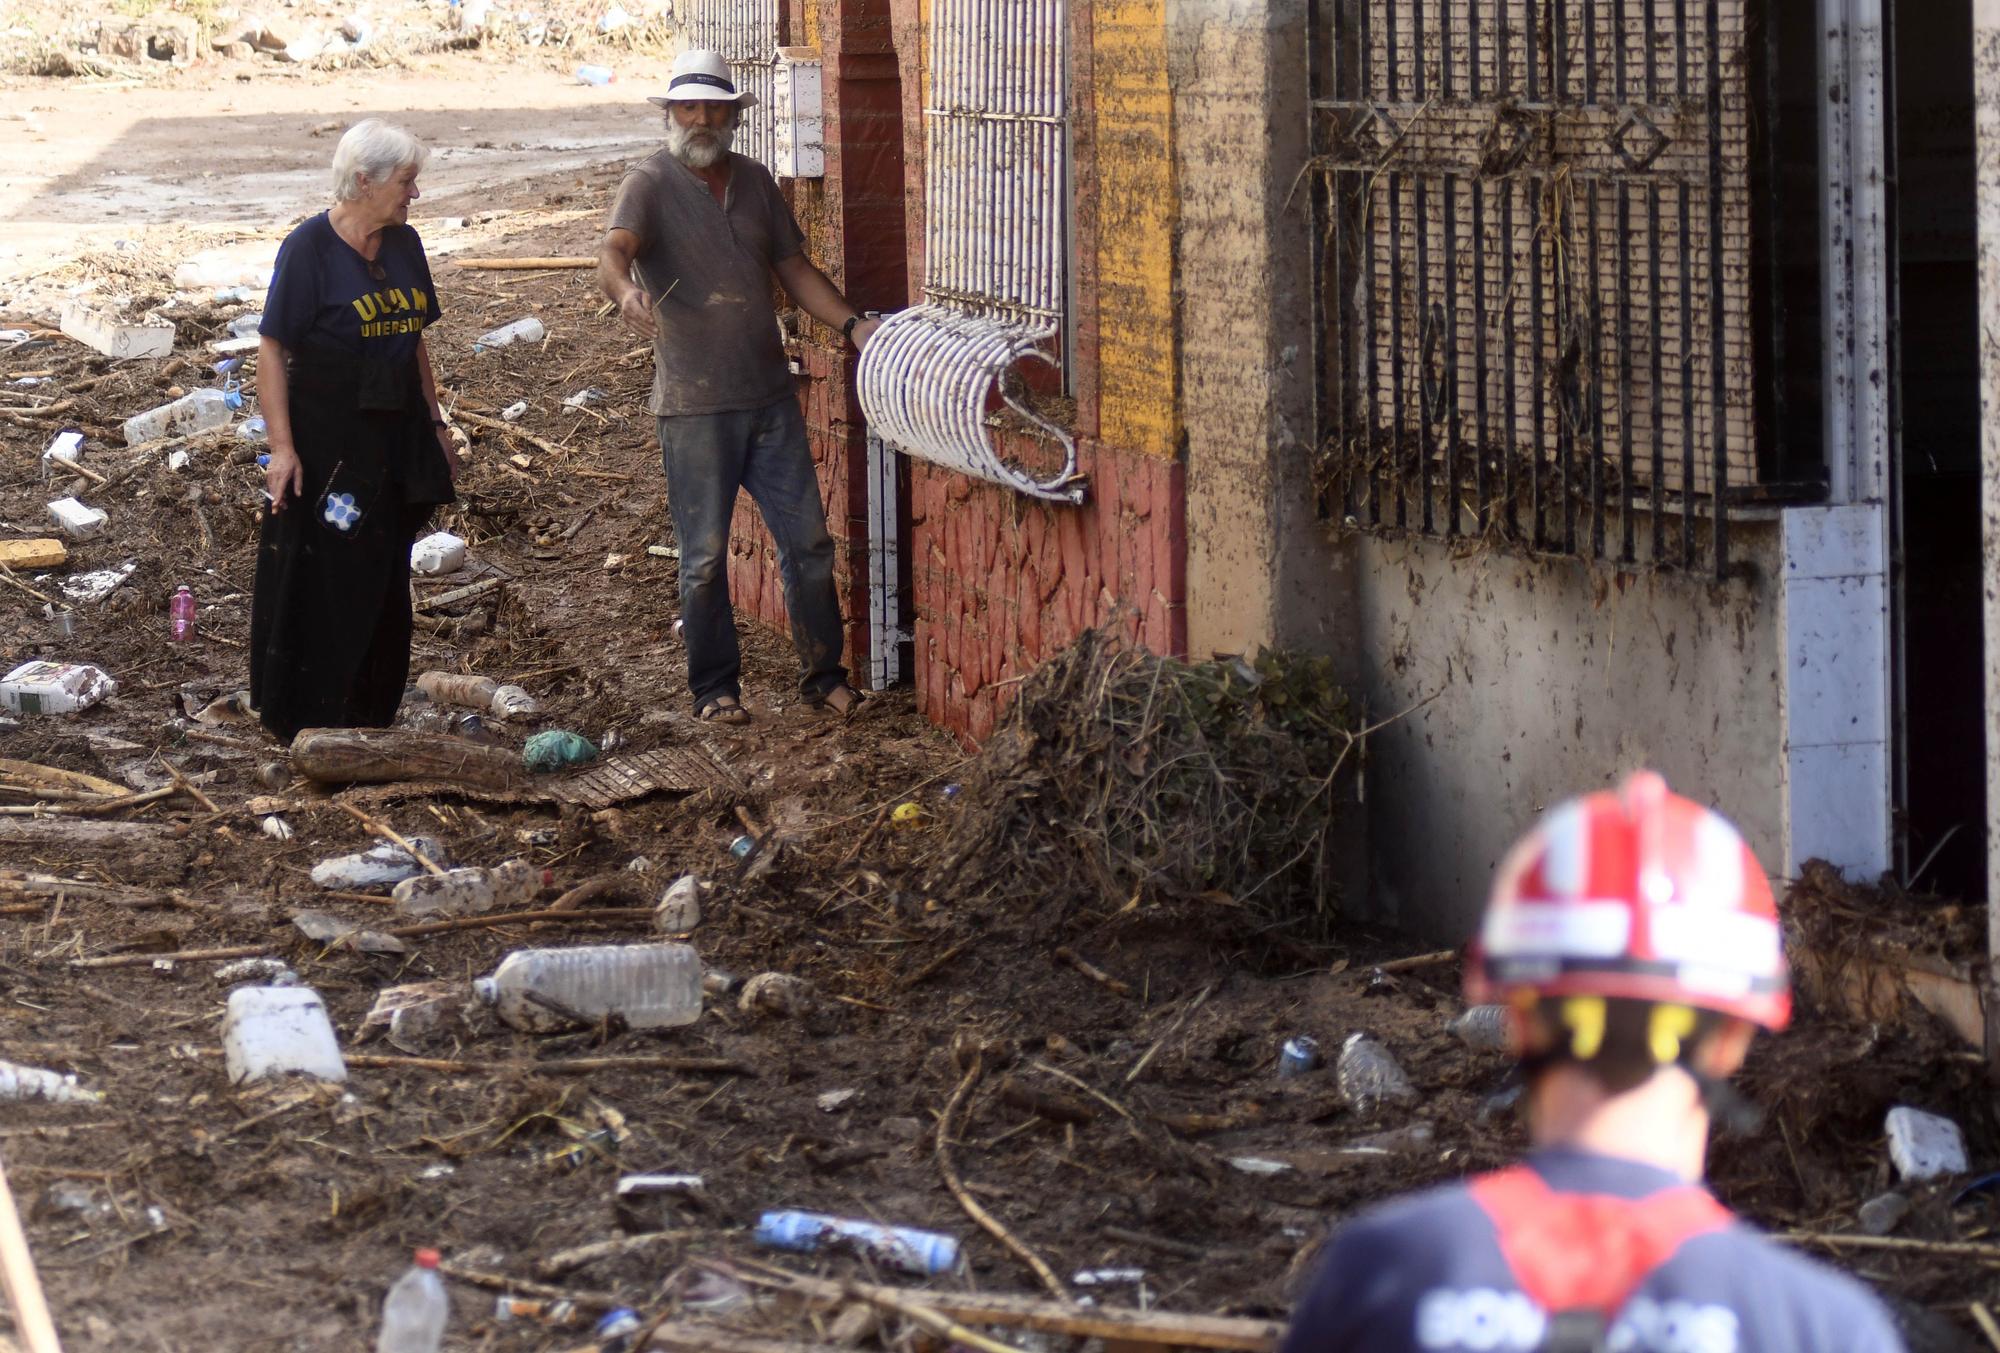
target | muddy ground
[{"x": 181, "y": 1213}]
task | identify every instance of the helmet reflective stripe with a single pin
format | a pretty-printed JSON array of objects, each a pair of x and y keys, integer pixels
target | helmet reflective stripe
[
  {"x": 1722, "y": 939},
  {"x": 1562, "y": 930}
]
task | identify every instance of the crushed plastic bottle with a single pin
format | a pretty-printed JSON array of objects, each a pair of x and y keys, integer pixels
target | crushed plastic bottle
[
  {"x": 415, "y": 1311},
  {"x": 679, "y": 909},
  {"x": 31, "y": 1082},
  {"x": 1482, "y": 1027},
  {"x": 196, "y": 411},
  {"x": 379, "y": 864},
  {"x": 451, "y": 688},
  {"x": 1368, "y": 1074},
  {"x": 461, "y": 892},
  {"x": 529, "y": 330},
  {"x": 1298, "y": 1056},
  {"x": 511, "y": 702},
  {"x": 921, "y": 1253},
  {"x": 650, "y": 986}
]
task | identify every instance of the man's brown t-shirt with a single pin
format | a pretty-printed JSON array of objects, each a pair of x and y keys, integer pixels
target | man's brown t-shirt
[{"x": 707, "y": 267}]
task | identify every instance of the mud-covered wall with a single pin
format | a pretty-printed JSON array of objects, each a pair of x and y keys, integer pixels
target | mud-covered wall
[{"x": 1546, "y": 678}]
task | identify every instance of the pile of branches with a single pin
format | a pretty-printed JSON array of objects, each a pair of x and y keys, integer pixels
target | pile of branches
[{"x": 1120, "y": 779}]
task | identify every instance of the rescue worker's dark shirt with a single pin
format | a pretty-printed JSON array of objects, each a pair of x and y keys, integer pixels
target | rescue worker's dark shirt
[{"x": 1427, "y": 1273}]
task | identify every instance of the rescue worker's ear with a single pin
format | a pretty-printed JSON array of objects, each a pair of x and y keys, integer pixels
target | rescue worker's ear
[{"x": 1722, "y": 1052}]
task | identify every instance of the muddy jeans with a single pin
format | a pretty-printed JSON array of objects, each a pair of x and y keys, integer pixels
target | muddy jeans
[{"x": 708, "y": 457}]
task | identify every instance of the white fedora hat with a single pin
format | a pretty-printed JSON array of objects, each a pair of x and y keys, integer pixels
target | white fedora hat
[{"x": 701, "y": 74}]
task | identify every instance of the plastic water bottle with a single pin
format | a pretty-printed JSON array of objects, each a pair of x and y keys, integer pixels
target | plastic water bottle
[
  {"x": 459, "y": 892},
  {"x": 595, "y": 75},
  {"x": 899, "y": 1247},
  {"x": 1368, "y": 1074},
  {"x": 529, "y": 330},
  {"x": 1482, "y": 1027},
  {"x": 413, "y": 1316},
  {"x": 180, "y": 615},
  {"x": 650, "y": 986},
  {"x": 196, "y": 411},
  {"x": 467, "y": 692}
]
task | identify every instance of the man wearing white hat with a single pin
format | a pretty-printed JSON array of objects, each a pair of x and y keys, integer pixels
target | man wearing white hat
[{"x": 705, "y": 230}]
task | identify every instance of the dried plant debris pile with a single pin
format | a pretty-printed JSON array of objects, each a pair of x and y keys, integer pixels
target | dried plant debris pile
[{"x": 1119, "y": 774}]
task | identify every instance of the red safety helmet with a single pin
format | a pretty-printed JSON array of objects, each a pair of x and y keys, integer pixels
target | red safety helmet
[{"x": 1639, "y": 894}]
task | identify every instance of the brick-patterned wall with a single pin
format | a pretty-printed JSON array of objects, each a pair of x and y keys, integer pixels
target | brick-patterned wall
[{"x": 1004, "y": 581}]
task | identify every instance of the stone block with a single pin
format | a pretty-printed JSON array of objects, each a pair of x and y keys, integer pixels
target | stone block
[{"x": 114, "y": 336}]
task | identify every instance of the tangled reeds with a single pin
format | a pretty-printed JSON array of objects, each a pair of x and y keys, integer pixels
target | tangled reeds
[{"x": 1123, "y": 779}]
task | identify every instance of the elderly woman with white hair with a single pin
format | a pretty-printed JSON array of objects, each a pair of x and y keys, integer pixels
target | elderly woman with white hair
[{"x": 360, "y": 455}]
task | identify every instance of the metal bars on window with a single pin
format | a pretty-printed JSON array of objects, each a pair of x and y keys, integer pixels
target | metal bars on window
[
  {"x": 941, "y": 381},
  {"x": 1535, "y": 271},
  {"x": 745, "y": 34}
]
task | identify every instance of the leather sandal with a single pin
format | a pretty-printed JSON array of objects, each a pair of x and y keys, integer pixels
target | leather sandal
[
  {"x": 842, "y": 700},
  {"x": 723, "y": 709}
]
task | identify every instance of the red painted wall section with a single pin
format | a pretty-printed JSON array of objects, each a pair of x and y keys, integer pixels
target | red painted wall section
[{"x": 1004, "y": 581}]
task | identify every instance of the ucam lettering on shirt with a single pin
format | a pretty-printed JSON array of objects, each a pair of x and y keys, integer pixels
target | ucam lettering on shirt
[
  {"x": 1486, "y": 1320},
  {"x": 412, "y": 306}
]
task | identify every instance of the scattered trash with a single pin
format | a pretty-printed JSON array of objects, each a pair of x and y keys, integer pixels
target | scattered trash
[
  {"x": 679, "y": 910},
  {"x": 614, "y": 560},
  {"x": 252, "y": 429},
  {"x": 511, "y": 702},
  {"x": 1883, "y": 1213},
  {"x": 237, "y": 295},
  {"x": 29, "y": 1082},
  {"x": 270, "y": 972},
  {"x": 1257, "y": 1165},
  {"x": 271, "y": 1031},
  {"x": 336, "y": 933},
  {"x": 1298, "y": 1056},
  {"x": 584, "y": 398},
  {"x": 613, "y": 19},
  {"x": 651, "y": 1202},
  {"x": 67, "y": 449},
  {"x": 541, "y": 1310},
  {"x": 1368, "y": 1074},
  {"x": 776, "y": 993},
  {"x": 54, "y": 687},
  {"x": 97, "y": 584},
  {"x": 41, "y": 552},
  {"x": 180, "y": 616},
  {"x": 557, "y": 749},
  {"x": 196, "y": 411},
  {"x": 1109, "y": 1277},
  {"x": 1924, "y": 1145},
  {"x": 115, "y": 336},
  {"x": 277, "y": 828},
  {"x": 273, "y": 775},
  {"x": 513, "y": 412},
  {"x": 1482, "y": 1028},
  {"x": 1396, "y": 1141},
  {"x": 705, "y": 1292},
  {"x": 665, "y": 552},
  {"x": 650, "y": 986},
  {"x": 415, "y": 1015},
  {"x": 616, "y": 1331},
  {"x": 1500, "y": 1103},
  {"x": 438, "y": 552},
  {"x": 462, "y": 892},
  {"x": 224, "y": 710},
  {"x": 450, "y": 688},
  {"x": 226, "y": 268},
  {"x": 639, "y": 864},
  {"x": 77, "y": 521},
  {"x": 179, "y": 460},
  {"x": 245, "y": 326},
  {"x": 415, "y": 1311},
  {"x": 742, "y": 846},
  {"x": 716, "y": 982},
  {"x": 922, "y": 1253},
  {"x": 64, "y": 621},
  {"x": 529, "y": 330},
  {"x": 379, "y": 864},
  {"x": 833, "y": 1100},
  {"x": 595, "y": 75},
  {"x": 908, "y": 815}
]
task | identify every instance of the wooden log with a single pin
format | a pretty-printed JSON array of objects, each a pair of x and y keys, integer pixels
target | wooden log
[
  {"x": 388, "y": 755},
  {"x": 37, "y": 553},
  {"x": 139, "y": 852},
  {"x": 526, "y": 264},
  {"x": 458, "y": 594}
]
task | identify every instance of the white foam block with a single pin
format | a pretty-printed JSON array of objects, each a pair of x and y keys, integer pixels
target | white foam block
[
  {"x": 1923, "y": 1145},
  {"x": 269, "y": 1031}
]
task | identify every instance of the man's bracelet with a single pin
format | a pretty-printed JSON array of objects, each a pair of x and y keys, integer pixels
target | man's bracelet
[{"x": 847, "y": 329}]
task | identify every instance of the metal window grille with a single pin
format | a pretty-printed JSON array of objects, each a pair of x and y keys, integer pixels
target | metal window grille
[
  {"x": 995, "y": 194},
  {"x": 1536, "y": 270},
  {"x": 745, "y": 34}
]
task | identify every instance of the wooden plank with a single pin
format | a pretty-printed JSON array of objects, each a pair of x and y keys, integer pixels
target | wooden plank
[{"x": 37, "y": 553}]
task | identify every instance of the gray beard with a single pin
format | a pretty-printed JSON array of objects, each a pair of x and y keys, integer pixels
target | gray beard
[{"x": 698, "y": 147}]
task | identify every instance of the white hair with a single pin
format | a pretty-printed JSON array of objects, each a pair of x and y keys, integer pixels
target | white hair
[{"x": 376, "y": 149}]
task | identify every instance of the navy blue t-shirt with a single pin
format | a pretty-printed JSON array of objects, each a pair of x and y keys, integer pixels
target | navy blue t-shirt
[
  {"x": 1427, "y": 1273},
  {"x": 325, "y": 294}
]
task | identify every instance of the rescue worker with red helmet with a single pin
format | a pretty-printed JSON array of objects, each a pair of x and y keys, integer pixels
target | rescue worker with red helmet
[{"x": 1635, "y": 943}]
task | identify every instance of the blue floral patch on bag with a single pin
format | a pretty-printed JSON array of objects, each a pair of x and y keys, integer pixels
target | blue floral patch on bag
[{"x": 341, "y": 511}]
